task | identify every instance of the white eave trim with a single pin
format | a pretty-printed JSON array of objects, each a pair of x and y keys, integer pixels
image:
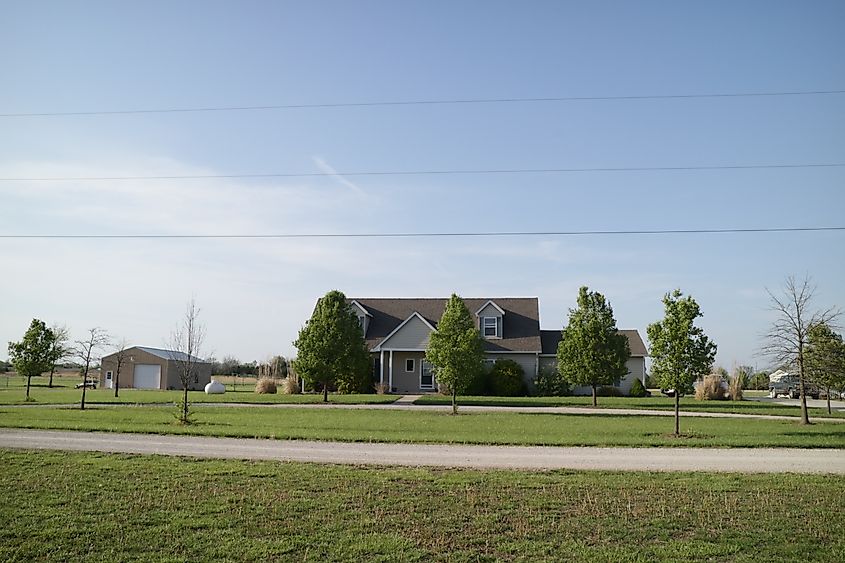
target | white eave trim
[
  {"x": 403, "y": 323},
  {"x": 490, "y": 302},
  {"x": 363, "y": 309}
]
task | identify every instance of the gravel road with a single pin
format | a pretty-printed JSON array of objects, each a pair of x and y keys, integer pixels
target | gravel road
[{"x": 745, "y": 460}]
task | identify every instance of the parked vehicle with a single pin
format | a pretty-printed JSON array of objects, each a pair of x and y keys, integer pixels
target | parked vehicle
[
  {"x": 89, "y": 384},
  {"x": 785, "y": 383}
]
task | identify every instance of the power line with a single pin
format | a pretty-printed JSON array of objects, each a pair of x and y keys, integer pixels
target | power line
[
  {"x": 430, "y": 172},
  {"x": 439, "y": 234},
  {"x": 428, "y": 102}
]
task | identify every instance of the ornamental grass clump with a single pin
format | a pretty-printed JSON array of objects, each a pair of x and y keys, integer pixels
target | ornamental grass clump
[
  {"x": 291, "y": 385},
  {"x": 735, "y": 388},
  {"x": 710, "y": 389},
  {"x": 265, "y": 385}
]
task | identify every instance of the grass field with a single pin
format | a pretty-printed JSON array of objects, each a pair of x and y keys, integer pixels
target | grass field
[
  {"x": 370, "y": 425},
  {"x": 74, "y": 506},
  {"x": 12, "y": 393},
  {"x": 650, "y": 403},
  {"x": 65, "y": 393}
]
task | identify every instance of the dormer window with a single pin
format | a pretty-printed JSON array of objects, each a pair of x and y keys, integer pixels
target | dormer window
[{"x": 490, "y": 327}]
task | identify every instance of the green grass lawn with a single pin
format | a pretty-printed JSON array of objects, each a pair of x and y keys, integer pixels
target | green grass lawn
[
  {"x": 15, "y": 394},
  {"x": 370, "y": 425},
  {"x": 100, "y": 507},
  {"x": 656, "y": 403}
]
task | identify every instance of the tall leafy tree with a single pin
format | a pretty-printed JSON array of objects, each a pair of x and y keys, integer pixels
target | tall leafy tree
[
  {"x": 32, "y": 356},
  {"x": 331, "y": 348},
  {"x": 59, "y": 349},
  {"x": 591, "y": 350},
  {"x": 680, "y": 351},
  {"x": 455, "y": 349},
  {"x": 825, "y": 359}
]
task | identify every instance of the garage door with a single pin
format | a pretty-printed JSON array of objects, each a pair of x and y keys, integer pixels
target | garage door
[{"x": 147, "y": 376}]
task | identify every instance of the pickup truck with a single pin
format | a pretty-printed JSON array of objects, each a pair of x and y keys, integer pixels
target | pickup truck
[{"x": 790, "y": 386}]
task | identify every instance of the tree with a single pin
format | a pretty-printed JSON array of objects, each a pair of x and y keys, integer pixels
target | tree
[
  {"x": 59, "y": 348},
  {"x": 680, "y": 351},
  {"x": 786, "y": 341},
  {"x": 331, "y": 346},
  {"x": 31, "y": 356},
  {"x": 455, "y": 349},
  {"x": 185, "y": 343},
  {"x": 744, "y": 375},
  {"x": 825, "y": 359},
  {"x": 120, "y": 355},
  {"x": 591, "y": 350},
  {"x": 85, "y": 350}
]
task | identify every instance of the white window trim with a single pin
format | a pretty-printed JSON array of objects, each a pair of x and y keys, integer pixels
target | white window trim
[
  {"x": 495, "y": 327},
  {"x": 413, "y": 365},
  {"x": 108, "y": 375}
]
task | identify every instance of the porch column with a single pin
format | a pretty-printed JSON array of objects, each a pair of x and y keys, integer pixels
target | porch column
[
  {"x": 381, "y": 367},
  {"x": 390, "y": 372}
]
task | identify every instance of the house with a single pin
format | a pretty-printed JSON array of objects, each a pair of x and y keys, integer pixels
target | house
[
  {"x": 635, "y": 363},
  {"x": 397, "y": 331},
  {"x": 152, "y": 368}
]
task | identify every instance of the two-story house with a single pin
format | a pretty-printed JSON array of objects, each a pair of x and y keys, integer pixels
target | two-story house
[{"x": 397, "y": 331}]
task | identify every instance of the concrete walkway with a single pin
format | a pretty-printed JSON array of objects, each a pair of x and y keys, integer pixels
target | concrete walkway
[{"x": 745, "y": 460}]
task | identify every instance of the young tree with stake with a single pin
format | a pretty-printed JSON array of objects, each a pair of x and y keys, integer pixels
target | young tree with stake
[
  {"x": 86, "y": 350},
  {"x": 592, "y": 351},
  {"x": 455, "y": 349},
  {"x": 680, "y": 351},
  {"x": 120, "y": 356},
  {"x": 186, "y": 341}
]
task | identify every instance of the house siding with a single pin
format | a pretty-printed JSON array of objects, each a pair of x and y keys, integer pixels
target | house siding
[
  {"x": 405, "y": 382},
  {"x": 414, "y": 335},
  {"x": 635, "y": 365},
  {"x": 528, "y": 363}
]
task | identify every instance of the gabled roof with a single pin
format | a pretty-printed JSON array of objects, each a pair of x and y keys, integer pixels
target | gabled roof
[
  {"x": 403, "y": 323},
  {"x": 169, "y": 354},
  {"x": 489, "y": 302},
  {"x": 551, "y": 338},
  {"x": 521, "y": 329},
  {"x": 363, "y": 309}
]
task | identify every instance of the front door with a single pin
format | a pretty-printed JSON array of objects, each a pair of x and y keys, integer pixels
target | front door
[{"x": 426, "y": 376}]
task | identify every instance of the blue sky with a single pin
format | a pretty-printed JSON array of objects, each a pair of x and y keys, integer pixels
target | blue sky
[{"x": 255, "y": 295}]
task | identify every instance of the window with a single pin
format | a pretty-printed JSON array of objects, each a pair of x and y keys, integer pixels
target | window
[
  {"x": 108, "y": 375},
  {"x": 490, "y": 326},
  {"x": 409, "y": 365},
  {"x": 488, "y": 363}
]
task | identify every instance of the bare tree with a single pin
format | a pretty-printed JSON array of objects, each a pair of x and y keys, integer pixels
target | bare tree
[
  {"x": 186, "y": 342},
  {"x": 786, "y": 340},
  {"x": 59, "y": 349},
  {"x": 85, "y": 351},
  {"x": 120, "y": 356}
]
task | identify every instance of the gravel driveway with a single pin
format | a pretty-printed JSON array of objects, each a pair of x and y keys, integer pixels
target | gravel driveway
[{"x": 745, "y": 460}]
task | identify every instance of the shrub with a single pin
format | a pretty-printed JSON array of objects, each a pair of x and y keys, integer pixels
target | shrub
[
  {"x": 549, "y": 383},
  {"x": 637, "y": 389},
  {"x": 481, "y": 384},
  {"x": 265, "y": 385},
  {"x": 382, "y": 388},
  {"x": 710, "y": 389},
  {"x": 291, "y": 385},
  {"x": 609, "y": 391},
  {"x": 506, "y": 378},
  {"x": 735, "y": 388}
]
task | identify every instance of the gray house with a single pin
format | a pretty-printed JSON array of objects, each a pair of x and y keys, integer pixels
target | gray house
[
  {"x": 397, "y": 330},
  {"x": 152, "y": 368}
]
